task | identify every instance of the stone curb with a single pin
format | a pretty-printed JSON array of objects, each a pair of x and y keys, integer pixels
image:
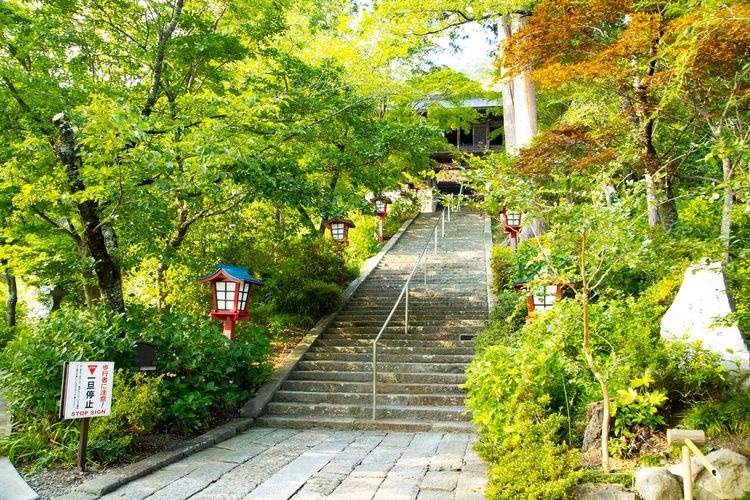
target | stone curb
[
  {"x": 488, "y": 243},
  {"x": 13, "y": 485},
  {"x": 111, "y": 481}
]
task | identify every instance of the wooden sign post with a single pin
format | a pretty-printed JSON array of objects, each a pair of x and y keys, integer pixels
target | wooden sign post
[{"x": 86, "y": 393}]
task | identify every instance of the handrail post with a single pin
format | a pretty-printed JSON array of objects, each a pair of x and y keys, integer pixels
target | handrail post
[
  {"x": 406, "y": 309},
  {"x": 442, "y": 217},
  {"x": 374, "y": 376},
  {"x": 404, "y": 291}
]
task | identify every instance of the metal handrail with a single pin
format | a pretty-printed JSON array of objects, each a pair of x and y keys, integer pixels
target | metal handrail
[{"x": 404, "y": 293}]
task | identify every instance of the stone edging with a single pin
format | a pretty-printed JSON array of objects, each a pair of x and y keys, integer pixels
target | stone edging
[{"x": 488, "y": 243}]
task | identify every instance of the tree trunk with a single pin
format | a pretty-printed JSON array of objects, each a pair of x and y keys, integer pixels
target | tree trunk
[
  {"x": 12, "y": 300},
  {"x": 662, "y": 208},
  {"x": 584, "y": 296},
  {"x": 726, "y": 211},
  {"x": 175, "y": 242},
  {"x": 161, "y": 289},
  {"x": 652, "y": 202},
  {"x": 106, "y": 268},
  {"x": 524, "y": 98},
  {"x": 506, "y": 87},
  {"x": 519, "y": 95},
  {"x": 91, "y": 292}
]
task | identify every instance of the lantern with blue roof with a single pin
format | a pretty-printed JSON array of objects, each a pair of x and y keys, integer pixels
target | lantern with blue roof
[{"x": 231, "y": 287}]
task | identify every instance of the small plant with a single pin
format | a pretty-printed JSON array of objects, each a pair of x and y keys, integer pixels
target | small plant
[
  {"x": 636, "y": 406},
  {"x": 636, "y": 413},
  {"x": 723, "y": 418},
  {"x": 135, "y": 410},
  {"x": 501, "y": 268}
]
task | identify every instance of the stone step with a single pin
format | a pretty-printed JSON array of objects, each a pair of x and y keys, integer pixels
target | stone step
[
  {"x": 383, "y": 377},
  {"x": 385, "y": 357},
  {"x": 349, "y": 423},
  {"x": 414, "y": 322},
  {"x": 365, "y": 398},
  {"x": 393, "y": 350},
  {"x": 366, "y": 387},
  {"x": 397, "y": 333},
  {"x": 453, "y": 309},
  {"x": 339, "y": 341},
  {"x": 449, "y": 413},
  {"x": 386, "y": 366}
]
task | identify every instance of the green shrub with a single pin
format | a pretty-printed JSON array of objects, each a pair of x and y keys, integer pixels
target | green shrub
[
  {"x": 637, "y": 406},
  {"x": 136, "y": 408},
  {"x": 315, "y": 299},
  {"x": 6, "y": 334},
  {"x": 30, "y": 372},
  {"x": 539, "y": 471},
  {"x": 501, "y": 268},
  {"x": 506, "y": 319},
  {"x": 304, "y": 284},
  {"x": 722, "y": 418},
  {"x": 204, "y": 375}
]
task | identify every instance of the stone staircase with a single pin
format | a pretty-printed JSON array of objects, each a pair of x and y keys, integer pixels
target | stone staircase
[{"x": 419, "y": 372}]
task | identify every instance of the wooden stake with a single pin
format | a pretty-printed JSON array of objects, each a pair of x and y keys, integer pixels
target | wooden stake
[
  {"x": 687, "y": 482},
  {"x": 82, "y": 443}
]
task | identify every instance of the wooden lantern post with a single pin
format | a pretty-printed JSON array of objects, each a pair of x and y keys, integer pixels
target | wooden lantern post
[
  {"x": 339, "y": 229},
  {"x": 512, "y": 225},
  {"x": 381, "y": 210},
  {"x": 231, "y": 287}
]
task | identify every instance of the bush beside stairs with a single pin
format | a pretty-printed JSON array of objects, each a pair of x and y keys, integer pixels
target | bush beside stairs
[{"x": 420, "y": 371}]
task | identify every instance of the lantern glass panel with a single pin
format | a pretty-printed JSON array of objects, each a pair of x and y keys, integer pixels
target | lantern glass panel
[
  {"x": 225, "y": 292},
  {"x": 380, "y": 206},
  {"x": 545, "y": 297},
  {"x": 337, "y": 231},
  {"x": 244, "y": 293},
  {"x": 513, "y": 218}
]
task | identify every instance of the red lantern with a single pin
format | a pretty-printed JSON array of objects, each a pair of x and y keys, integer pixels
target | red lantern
[
  {"x": 546, "y": 290},
  {"x": 339, "y": 229},
  {"x": 231, "y": 287}
]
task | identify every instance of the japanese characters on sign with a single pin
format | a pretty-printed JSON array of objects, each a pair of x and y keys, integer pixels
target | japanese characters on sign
[{"x": 87, "y": 389}]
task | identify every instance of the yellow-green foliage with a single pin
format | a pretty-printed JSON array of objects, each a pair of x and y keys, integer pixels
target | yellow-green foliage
[
  {"x": 135, "y": 410},
  {"x": 501, "y": 268}
]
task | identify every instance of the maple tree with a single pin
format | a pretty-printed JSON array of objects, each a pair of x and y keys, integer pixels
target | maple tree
[{"x": 616, "y": 44}]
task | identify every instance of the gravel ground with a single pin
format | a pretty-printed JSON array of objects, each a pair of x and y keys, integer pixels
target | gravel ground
[
  {"x": 56, "y": 482},
  {"x": 51, "y": 483}
]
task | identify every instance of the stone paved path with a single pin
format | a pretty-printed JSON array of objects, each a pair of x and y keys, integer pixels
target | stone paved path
[{"x": 271, "y": 464}]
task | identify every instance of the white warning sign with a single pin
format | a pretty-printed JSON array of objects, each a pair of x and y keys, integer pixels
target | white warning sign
[{"x": 87, "y": 389}]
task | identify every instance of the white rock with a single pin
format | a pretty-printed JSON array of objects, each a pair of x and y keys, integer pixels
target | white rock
[
  {"x": 679, "y": 469},
  {"x": 700, "y": 302},
  {"x": 733, "y": 480},
  {"x": 657, "y": 483}
]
